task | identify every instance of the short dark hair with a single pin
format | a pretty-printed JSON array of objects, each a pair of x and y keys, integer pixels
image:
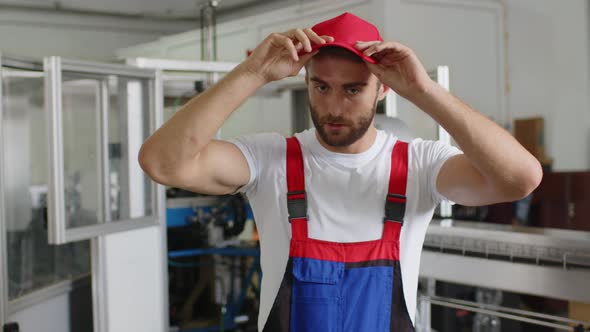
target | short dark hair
[{"x": 339, "y": 52}]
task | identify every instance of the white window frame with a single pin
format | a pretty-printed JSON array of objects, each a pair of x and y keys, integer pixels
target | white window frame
[
  {"x": 3, "y": 258},
  {"x": 58, "y": 232},
  {"x": 10, "y": 307}
]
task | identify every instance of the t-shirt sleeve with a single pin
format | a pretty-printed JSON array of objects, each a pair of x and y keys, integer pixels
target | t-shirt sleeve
[
  {"x": 258, "y": 149},
  {"x": 429, "y": 157}
]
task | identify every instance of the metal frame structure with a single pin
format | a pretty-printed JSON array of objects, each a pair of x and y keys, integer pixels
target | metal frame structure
[
  {"x": 161, "y": 201},
  {"x": 3, "y": 258},
  {"x": 58, "y": 232},
  {"x": 215, "y": 68},
  {"x": 9, "y": 307},
  {"x": 54, "y": 66},
  {"x": 545, "y": 262},
  {"x": 505, "y": 257}
]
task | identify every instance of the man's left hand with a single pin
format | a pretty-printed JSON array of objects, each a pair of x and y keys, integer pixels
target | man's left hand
[{"x": 397, "y": 66}]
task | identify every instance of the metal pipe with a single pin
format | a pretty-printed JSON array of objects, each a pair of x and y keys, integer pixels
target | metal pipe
[
  {"x": 103, "y": 152},
  {"x": 208, "y": 31},
  {"x": 56, "y": 194},
  {"x": 511, "y": 310},
  {"x": 3, "y": 247}
]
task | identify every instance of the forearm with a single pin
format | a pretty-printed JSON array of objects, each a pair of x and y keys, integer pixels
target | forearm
[
  {"x": 191, "y": 128},
  {"x": 496, "y": 154}
]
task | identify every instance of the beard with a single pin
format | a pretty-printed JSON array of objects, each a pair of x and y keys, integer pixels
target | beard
[{"x": 351, "y": 132}]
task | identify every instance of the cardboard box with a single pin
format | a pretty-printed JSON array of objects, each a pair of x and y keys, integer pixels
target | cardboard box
[
  {"x": 530, "y": 132},
  {"x": 579, "y": 310}
]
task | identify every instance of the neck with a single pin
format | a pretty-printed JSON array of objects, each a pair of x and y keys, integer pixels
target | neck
[{"x": 361, "y": 145}]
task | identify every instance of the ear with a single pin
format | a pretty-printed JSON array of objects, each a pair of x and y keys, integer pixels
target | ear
[{"x": 383, "y": 91}]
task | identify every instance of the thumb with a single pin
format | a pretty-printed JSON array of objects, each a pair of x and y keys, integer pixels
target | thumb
[{"x": 305, "y": 58}]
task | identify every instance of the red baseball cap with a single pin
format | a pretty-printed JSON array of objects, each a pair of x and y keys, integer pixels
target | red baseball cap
[{"x": 347, "y": 29}]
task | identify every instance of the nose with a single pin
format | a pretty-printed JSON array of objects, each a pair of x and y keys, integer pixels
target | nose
[{"x": 336, "y": 105}]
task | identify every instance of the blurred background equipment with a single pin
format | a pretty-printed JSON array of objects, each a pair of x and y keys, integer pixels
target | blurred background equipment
[{"x": 213, "y": 262}]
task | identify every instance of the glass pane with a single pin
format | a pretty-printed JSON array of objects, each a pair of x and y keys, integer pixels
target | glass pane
[
  {"x": 130, "y": 190},
  {"x": 32, "y": 262},
  {"x": 81, "y": 143}
]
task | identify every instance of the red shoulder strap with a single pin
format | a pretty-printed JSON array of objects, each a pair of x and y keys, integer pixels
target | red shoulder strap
[
  {"x": 395, "y": 202},
  {"x": 296, "y": 198}
]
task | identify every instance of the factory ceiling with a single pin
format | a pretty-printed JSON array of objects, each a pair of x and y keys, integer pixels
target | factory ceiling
[{"x": 155, "y": 9}]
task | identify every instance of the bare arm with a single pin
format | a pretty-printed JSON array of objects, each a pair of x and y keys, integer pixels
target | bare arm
[
  {"x": 182, "y": 152},
  {"x": 495, "y": 167}
]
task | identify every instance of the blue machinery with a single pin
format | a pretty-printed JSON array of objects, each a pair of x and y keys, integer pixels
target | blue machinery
[{"x": 212, "y": 224}]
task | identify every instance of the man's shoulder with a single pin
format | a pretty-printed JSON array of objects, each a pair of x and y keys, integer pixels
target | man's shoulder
[{"x": 260, "y": 140}]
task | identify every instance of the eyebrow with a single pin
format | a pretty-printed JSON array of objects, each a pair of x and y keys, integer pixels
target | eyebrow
[{"x": 347, "y": 85}]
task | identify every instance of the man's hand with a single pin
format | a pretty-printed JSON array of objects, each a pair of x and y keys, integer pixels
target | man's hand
[
  {"x": 397, "y": 67},
  {"x": 494, "y": 168},
  {"x": 277, "y": 56}
]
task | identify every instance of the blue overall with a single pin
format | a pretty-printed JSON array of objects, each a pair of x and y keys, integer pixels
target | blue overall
[{"x": 335, "y": 287}]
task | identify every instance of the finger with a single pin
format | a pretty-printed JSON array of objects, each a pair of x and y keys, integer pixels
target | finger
[
  {"x": 361, "y": 45},
  {"x": 393, "y": 46},
  {"x": 314, "y": 36},
  {"x": 287, "y": 43},
  {"x": 373, "y": 49},
  {"x": 328, "y": 39},
  {"x": 303, "y": 39},
  {"x": 305, "y": 58},
  {"x": 376, "y": 49}
]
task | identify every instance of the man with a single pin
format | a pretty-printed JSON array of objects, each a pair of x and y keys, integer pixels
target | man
[{"x": 330, "y": 203}]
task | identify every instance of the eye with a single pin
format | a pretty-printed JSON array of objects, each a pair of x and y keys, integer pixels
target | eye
[
  {"x": 353, "y": 91},
  {"x": 321, "y": 88}
]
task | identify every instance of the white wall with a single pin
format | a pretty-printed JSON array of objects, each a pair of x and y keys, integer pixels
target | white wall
[
  {"x": 464, "y": 35},
  {"x": 38, "y": 34},
  {"x": 134, "y": 288},
  {"x": 549, "y": 45}
]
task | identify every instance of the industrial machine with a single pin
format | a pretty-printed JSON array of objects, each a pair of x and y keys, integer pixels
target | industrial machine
[{"x": 213, "y": 262}]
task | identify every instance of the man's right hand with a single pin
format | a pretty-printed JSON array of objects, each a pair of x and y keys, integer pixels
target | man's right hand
[{"x": 277, "y": 56}]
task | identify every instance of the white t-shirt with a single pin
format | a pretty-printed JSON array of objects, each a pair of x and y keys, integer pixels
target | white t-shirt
[{"x": 346, "y": 200}]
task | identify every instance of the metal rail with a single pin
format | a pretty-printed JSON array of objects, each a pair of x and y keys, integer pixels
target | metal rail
[{"x": 507, "y": 313}]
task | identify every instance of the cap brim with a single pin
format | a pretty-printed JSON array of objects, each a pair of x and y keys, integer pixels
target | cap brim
[{"x": 343, "y": 45}]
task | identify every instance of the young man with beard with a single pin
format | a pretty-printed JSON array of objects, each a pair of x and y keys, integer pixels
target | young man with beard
[{"x": 330, "y": 202}]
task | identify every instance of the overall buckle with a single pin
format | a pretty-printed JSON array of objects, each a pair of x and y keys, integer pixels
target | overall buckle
[
  {"x": 297, "y": 205},
  {"x": 395, "y": 208}
]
